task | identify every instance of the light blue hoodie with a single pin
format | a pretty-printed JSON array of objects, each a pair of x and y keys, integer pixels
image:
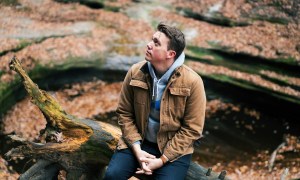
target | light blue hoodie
[{"x": 159, "y": 86}]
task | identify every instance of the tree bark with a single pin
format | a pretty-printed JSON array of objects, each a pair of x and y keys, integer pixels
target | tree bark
[{"x": 81, "y": 147}]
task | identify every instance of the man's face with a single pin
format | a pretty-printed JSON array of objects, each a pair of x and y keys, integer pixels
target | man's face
[{"x": 157, "y": 48}]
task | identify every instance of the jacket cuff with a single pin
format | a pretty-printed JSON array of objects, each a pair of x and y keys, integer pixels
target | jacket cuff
[
  {"x": 136, "y": 142},
  {"x": 170, "y": 155},
  {"x": 133, "y": 138}
]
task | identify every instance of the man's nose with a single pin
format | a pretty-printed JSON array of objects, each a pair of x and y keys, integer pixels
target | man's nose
[{"x": 149, "y": 46}]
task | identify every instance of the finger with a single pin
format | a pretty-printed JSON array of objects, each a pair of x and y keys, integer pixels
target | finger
[
  {"x": 148, "y": 173},
  {"x": 144, "y": 160},
  {"x": 150, "y": 156},
  {"x": 143, "y": 172},
  {"x": 140, "y": 172},
  {"x": 145, "y": 167}
]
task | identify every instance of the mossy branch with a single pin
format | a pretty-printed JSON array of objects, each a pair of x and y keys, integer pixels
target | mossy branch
[{"x": 56, "y": 117}]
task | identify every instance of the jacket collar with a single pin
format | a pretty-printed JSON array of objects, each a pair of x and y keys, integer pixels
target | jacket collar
[
  {"x": 142, "y": 72},
  {"x": 145, "y": 68}
]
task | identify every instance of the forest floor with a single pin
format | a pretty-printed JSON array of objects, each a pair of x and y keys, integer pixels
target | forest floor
[{"x": 79, "y": 99}]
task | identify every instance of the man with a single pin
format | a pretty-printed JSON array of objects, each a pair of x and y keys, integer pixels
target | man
[{"x": 161, "y": 112}]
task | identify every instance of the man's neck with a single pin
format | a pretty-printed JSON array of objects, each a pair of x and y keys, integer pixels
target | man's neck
[
  {"x": 161, "y": 69},
  {"x": 159, "y": 74}
]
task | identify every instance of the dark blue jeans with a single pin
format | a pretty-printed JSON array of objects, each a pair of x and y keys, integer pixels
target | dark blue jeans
[{"x": 124, "y": 164}]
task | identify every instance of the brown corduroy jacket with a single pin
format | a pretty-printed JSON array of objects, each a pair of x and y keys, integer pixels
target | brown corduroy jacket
[{"x": 182, "y": 110}]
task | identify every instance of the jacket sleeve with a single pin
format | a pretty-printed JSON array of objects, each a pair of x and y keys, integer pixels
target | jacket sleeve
[
  {"x": 125, "y": 111},
  {"x": 192, "y": 124}
]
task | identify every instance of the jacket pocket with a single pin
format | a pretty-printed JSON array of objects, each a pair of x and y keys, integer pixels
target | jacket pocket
[
  {"x": 140, "y": 98},
  {"x": 178, "y": 97},
  {"x": 138, "y": 83},
  {"x": 140, "y": 90},
  {"x": 180, "y": 91}
]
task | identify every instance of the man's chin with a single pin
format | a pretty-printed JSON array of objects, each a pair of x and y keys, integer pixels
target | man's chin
[{"x": 147, "y": 59}]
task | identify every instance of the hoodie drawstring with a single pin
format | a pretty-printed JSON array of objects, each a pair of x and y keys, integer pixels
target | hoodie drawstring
[{"x": 155, "y": 88}]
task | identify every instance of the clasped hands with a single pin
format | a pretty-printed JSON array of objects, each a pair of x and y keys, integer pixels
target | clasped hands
[{"x": 147, "y": 161}]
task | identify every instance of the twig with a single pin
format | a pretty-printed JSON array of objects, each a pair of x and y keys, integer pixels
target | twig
[
  {"x": 273, "y": 156},
  {"x": 284, "y": 174}
]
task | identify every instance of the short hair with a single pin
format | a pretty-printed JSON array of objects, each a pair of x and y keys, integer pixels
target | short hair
[{"x": 176, "y": 38}]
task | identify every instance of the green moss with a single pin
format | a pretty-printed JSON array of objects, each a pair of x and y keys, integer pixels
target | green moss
[
  {"x": 222, "y": 59},
  {"x": 290, "y": 60},
  {"x": 214, "y": 18},
  {"x": 9, "y": 2},
  {"x": 12, "y": 92},
  {"x": 21, "y": 45},
  {"x": 27, "y": 42},
  {"x": 234, "y": 81},
  {"x": 281, "y": 82},
  {"x": 217, "y": 45},
  {"x": 271, "y": 19},
  {"x": 250, "y": 86},
  {"x": 94, "y": 60},
  {"x": 96, "y": 4},
  {"x": 154, "y": 23},
  {"x": 244, "y": 62},
  {"x": 201, "y": 53},
  {"x": 112, "y": 8}
]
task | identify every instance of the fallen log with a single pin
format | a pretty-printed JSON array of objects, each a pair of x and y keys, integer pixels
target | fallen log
[{"x": 81, "y": 147}]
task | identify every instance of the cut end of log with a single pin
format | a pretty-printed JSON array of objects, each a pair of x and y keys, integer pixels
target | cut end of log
[
  {"x": 222, "y": 175},
  {"x": 13, "y": 62},
  {"x": 208, "y": 173}
]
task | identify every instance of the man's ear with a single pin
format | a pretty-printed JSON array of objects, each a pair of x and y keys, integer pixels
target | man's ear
[{"x": 171, "y": 54}]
